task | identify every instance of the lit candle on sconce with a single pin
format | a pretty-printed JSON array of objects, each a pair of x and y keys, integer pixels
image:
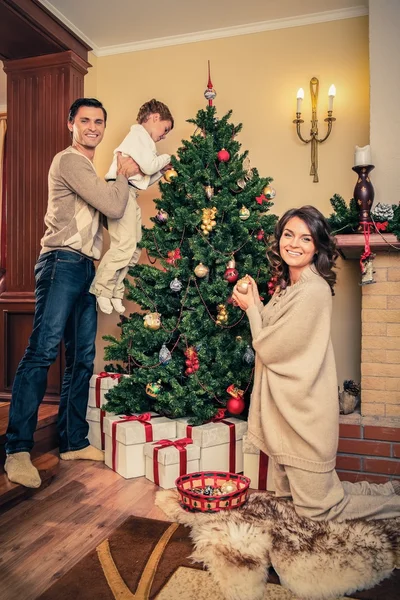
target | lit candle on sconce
[
  {"x": 300, "y": 98},
  {"x": 331, "y": 95},
  {"x": 362, "y": 156}
]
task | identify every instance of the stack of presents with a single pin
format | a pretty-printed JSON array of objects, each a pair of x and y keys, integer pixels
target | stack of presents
[{"x": 162, "y": 449}]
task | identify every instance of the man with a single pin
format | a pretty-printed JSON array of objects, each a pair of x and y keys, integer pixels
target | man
[{"x": 65, "y": 310}]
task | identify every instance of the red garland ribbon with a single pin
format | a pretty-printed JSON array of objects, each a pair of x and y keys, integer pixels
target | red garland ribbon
[
  {"x": 145, "y": 419},
  {"x": 99, "y": 377},
  {"x": 180, "y": 445},
  {"x": 219, "y": 418},
  {"x": 367, "y": 250},
  {"x": 263, "y": 471}
]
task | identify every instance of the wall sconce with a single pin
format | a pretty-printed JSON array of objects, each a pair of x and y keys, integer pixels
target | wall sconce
[{"x": 314, "y": 86}]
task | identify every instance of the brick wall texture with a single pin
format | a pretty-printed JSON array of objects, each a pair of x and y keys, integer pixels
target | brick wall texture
[
  {"x": 380, "y": 346},
  {"x": 368, "y": 453}
]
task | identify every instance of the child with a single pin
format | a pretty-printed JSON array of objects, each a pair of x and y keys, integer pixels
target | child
[{"x": 154, "y": 123}]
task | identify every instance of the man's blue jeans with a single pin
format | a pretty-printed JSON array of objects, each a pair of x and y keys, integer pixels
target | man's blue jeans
[{"x": 64, "y": 310}]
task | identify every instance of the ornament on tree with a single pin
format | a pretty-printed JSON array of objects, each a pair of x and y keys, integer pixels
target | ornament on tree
[
  {"x": 175, "y": 285},
  {"x": 272, "y": 283},
  {"x": 242, "y": 285},
  {"x": 209, "y": 191},
  {"x": 201, "y": 270},
  {"x": 222, "y": 316},
  {"x": 210, "y": 93},
  {"x": 260, "y": 199},
  {"x": 164, "y": 355},
  {"x": 244, "y": 213},
  {"x": 249, "y": 356},
  {"x": 208, "y": 220},
  {"x": 152, "y": 321},
  {"x": 153, "y": 389},
  {"x": 260, "y": 234},
  {"x": 231, "y": 274},
  {"x": 169, "y": 175},
  {"x": 192, "y": 360},
  {"x": 236, "y": 404},
  {"x": 269, "y": 192},
  {"x": 161, "y": 216},
  {"x": 173, "y": 256},
  {"x": 241, "y": 183},
  {"x": 223, "y": 155},
  {"x": 248, "y": 170}
]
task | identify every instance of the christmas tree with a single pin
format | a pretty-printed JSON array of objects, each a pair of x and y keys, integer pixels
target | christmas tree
[{"x": 189, "y": 353}]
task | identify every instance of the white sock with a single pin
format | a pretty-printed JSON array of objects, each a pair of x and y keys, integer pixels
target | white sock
[
  {"x": 104, "y": 304},
  {"x": 118, "y": 306}
]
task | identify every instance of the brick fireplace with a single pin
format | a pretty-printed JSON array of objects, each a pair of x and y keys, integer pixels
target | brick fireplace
[{"x": 369, "y": 445}]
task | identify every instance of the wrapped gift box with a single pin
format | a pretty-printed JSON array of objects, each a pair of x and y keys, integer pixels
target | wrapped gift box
[
  {"x": 95, "y": 417},
  {"x": 99, "y": 385},
  {"x": 255, "y": 466},
  {"x": 124, "y": 441},
  {"x": 166, "y": 460},
  {"x": 220, "y": 443}
]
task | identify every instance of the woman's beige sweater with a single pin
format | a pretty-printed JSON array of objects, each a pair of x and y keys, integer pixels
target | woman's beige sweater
[{"x": 294, "y": 411}]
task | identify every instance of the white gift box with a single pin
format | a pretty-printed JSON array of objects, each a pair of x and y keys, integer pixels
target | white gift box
[
  {"x": 256, "y": 467},
  {"x": 130, "y": 437},
  {"x": 94, "y": 419},
  {"x": 168, "y": 463},
  {"x": 99, "y": 385},
  {"x": 215, "y": 443}
]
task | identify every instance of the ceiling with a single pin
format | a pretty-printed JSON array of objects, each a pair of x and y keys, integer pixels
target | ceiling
[{"x": 126, "y": 25}]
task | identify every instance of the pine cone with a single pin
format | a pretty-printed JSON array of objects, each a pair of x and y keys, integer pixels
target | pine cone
[
  {"x": 351, "y": 387},
  {"x": 383, "y": 212}
]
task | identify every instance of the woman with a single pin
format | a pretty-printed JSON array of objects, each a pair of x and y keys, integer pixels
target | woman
[{"x": 294, "y": 412}]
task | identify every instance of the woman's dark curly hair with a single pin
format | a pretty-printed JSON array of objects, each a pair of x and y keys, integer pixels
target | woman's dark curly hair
[{"x": 325, "y": 255}]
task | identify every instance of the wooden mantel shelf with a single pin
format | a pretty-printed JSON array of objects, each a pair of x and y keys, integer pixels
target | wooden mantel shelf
[{"x": 352, "y": 245}]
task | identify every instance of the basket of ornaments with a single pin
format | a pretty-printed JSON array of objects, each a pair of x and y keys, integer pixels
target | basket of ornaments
[{"x": 212, "y": 491}]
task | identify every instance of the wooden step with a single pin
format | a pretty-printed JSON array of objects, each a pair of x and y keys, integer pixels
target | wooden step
[
  {"x": 10, "y": 493},
  {"x": 46, "y": 431}
]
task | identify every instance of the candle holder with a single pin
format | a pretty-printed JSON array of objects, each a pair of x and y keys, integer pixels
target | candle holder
[
  {"x": 314, "y": 88},
  {"x": 364, "y": 192}
]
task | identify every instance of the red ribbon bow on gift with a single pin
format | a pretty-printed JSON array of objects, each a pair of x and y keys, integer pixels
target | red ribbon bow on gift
[
  {"x": 112, "y": 375},
  {"x": 180, "y": 445},
  {"x": 145, "y": 419},
  {"x": 221, "y": 414},
  {"x": 99, "y": 377}
]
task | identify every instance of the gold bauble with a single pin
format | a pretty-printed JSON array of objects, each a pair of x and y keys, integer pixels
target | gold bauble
[
  {"x": 244, "y": 213},
  {"x": 152, "y": 321},
  {"x": 201, "y": 270},
  {"x": 242, "y": 285},
  {"x": 228, "y": 487},
  {"x": 169, "y": 175}
]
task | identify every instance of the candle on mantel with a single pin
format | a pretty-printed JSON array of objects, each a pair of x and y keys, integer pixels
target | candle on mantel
[
  {"x": 300, "y": 97},
  {"x": 362, "y": 156},
  {"x": 331, "y": 95}
]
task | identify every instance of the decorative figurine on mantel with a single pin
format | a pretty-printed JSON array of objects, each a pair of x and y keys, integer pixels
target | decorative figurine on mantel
[{"x": 349, "y": 398}]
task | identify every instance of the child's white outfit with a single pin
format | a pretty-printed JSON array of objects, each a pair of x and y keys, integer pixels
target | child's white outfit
[{"x": 126, "y": 232}]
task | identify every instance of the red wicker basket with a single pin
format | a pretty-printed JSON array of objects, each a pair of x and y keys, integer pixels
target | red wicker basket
[{"x": 193, "y": 501}]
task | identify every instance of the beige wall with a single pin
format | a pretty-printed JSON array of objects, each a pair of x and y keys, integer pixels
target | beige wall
[{"x": 258, "y": 76}]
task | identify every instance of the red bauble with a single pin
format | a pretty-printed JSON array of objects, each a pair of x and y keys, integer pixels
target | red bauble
[
  {"x": 231, "y": 275},
  {"x": 223, "y": 155},
  {"x": 235, "y": 405}
]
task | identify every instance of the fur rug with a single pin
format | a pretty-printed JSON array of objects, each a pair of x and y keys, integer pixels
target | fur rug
[{"x": 314, "y": 560}]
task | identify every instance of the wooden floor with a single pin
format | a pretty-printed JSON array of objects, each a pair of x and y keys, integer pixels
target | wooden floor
[{"x": 44, "y": 536}]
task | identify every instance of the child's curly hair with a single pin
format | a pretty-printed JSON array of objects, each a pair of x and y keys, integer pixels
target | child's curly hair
[
  {"x": 325, "y": 256},
  {"x": 152, "y": 107}
]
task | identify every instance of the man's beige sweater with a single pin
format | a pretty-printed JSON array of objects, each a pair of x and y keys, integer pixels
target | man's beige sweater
[
  {"x": 294, "y": 411},
  {"x": 77, "y": 196}
]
